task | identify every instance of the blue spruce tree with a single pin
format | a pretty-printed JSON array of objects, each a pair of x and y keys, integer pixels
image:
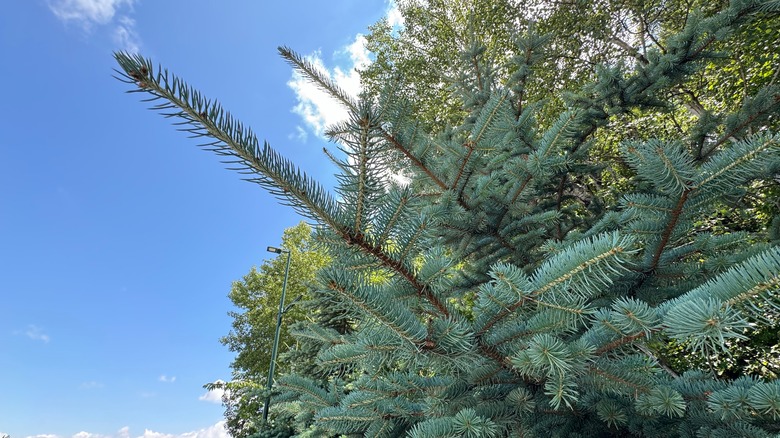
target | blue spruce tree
[{"x": 498, "y": 293}]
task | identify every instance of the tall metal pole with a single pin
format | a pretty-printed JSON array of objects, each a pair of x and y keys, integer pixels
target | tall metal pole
[{"x": 276, "y": 335}]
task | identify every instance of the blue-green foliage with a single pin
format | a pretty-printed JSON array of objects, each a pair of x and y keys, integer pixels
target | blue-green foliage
[{"x": 496, "y": 294}]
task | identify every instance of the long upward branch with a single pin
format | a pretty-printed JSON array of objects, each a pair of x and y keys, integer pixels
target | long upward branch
[
  {"x": 322, "y": 81},
  {"x": 206, "y": 118},
  {"x": 318, "y": 77}
]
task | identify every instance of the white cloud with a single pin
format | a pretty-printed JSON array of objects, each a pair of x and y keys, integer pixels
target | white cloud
[
  {"x": 214, "y": 395},
  {"x": 83, "y": 434},
  {"x": 88, "y": 12},
  {"x": 152, "y": 434},
  {"x": 215, "y": 431},
  {"x": 91, "y": 13},
  {"x": 316, "y": 107},
  {"x": 393, "y": 15},
  {"x": 34, "y": 332},
  {"x": 167, "y": 379}
]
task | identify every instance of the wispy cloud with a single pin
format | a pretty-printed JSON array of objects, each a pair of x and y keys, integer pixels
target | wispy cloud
[
  {"x": 300, "y": 134},
  {"x": 90, "y": 14},
  {"x": 126, "y": 36},
  {"x": 215, "y": 431},
  {"x": 91, "y": 385},
  {"x": 166, "y": 379},
  {"x": 35, "y": 333}
]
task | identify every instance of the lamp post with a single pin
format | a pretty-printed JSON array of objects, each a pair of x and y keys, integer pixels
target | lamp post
[{"x": 282, "y": 310}]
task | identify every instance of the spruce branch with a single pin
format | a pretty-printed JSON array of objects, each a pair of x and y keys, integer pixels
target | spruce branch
[
  {"x": 754, "y": 280},
  {"x": 667, "y": 165},
  {"x": 206, "y": 118},
  {"x": 768, "y": 100},
  {"x": 369, "y": 299},
  {"x": 465, "y": 161},
  {"x": 392, "y": 212},
  {"x": 414, "y": 160},
  {"x": 318, "y": 77},
  {"x": 599, "y": 257},
  {"x": 656, "y": 359},
  {"x": 585, "y": 266},
  {"x": 314, "y": 393},
  {"x": 674, "y": 216},
  {"x": 617, "y": 379},
  {"x": 494, "y": 112},
  {"x": 399, "y": 267},
  {"x": 321, "y": 79},
  {"x": 202, "y": 117},
  {"x": 536, "y": 164},
  {"x": 740, "y": 163},
  {"x": 340, "y": 354},
  {"x": 620, "y": 342},
  {"x": 345, "y": 421},
  {"x": 362, "y": 171}
]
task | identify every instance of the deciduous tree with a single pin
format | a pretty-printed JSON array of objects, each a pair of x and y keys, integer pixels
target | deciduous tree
[{"x": 257, "y": 298}]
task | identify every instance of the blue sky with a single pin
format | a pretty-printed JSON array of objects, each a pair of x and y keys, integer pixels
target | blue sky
[{"x": 119, "y": 238}]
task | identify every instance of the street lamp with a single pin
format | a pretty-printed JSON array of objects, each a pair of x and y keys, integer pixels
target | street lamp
[{"x": 282, "y": 310}]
